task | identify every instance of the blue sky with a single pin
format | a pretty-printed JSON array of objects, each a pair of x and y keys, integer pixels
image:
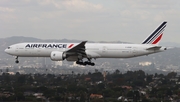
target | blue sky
[{"x": 94, "y": 20}]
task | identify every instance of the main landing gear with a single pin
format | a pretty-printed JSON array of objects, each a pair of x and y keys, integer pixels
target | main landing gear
[
  {"x": 80, "y": 62},
  {"x": 16, "y": 60}
]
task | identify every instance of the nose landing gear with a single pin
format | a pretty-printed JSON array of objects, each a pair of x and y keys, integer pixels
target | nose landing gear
[{"x": 17, "y": 61}]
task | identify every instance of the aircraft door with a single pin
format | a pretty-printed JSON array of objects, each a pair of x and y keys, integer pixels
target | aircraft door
[
  {"x": 104, "y": 49},
  {"x": 134, "y": 51},
  {"x": 16, "y": 49}
]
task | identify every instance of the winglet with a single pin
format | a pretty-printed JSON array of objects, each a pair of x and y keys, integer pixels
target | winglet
[{"x": 156, "y": 36}]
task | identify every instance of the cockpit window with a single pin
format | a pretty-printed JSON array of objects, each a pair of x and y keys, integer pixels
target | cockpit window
[{"x": 9, "y": 47}]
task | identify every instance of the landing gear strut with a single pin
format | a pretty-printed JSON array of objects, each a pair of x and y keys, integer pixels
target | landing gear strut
[
  {"x": 17, "y": 60},
  {"x": 80, "y": 62}
]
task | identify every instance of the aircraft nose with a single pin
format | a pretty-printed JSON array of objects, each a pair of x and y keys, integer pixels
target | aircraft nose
[{"x": 7, "y": 51}]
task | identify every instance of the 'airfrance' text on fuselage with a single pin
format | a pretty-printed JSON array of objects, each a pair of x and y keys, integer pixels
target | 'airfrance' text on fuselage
[{"x": 46, "y": 46}]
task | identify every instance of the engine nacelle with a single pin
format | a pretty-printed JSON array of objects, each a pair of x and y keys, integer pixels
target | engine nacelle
[{"x": 57, "y": 56}]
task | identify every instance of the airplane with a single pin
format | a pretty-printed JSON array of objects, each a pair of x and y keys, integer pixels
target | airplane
[{"x": 84, "y": 50}]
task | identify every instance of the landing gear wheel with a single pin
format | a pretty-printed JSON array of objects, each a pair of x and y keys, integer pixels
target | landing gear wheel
[
  {"x": 16, "y": 61},
  {"x": 89, "y": 63},
  {"x": 80, "y": 62},
  {"x": 92, "y": 64}
]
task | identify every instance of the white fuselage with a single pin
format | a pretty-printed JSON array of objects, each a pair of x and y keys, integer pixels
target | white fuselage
[{"x": 93, "y": 50}]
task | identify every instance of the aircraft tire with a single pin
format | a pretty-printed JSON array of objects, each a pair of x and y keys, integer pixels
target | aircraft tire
[{"x": 16, "y": 61}]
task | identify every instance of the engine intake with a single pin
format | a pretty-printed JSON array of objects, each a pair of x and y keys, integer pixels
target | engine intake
[{"x": 57, "y": 56}]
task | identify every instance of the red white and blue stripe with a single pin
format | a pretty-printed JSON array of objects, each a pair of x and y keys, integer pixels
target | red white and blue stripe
[{"x": 156, "y": 36}]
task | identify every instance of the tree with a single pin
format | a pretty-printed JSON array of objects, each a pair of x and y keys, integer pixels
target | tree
[
  {"x": 96, "y": 70},
  {"x": 145, "y": 100},
  {"x": 17, "y": 73},
  {"x": 7, "y": 70},
  {"x": 149, "y": 78},
  {"x": 21, "y": 79},
  {"x": 117, "y": 71},
  {"x": 130, "y": 94},
  {"x": 19, "y": 96},
  {"x": 30, "y": 79},
  {"x": 6, "y": 77},
  {"x": 172, "y": 75},
  {"x": 169, "y": 92},
  {"x": 49, "y": 93},
  {"x": 97, "y": 100}
]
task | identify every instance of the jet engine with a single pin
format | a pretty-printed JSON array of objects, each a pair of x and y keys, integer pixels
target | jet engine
[{"x": 57, "y": 56}]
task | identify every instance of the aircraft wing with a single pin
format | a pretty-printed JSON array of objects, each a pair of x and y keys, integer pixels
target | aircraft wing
[
  {"x": 154, "y": 48},
  {"x": 78, "y": 49}
]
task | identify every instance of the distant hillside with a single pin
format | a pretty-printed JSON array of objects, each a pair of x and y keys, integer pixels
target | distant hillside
[{"x": 171, "y": 44}]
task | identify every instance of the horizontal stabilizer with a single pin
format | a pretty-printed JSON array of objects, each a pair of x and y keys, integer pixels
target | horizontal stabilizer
[{"x": 154, "y": 48}]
